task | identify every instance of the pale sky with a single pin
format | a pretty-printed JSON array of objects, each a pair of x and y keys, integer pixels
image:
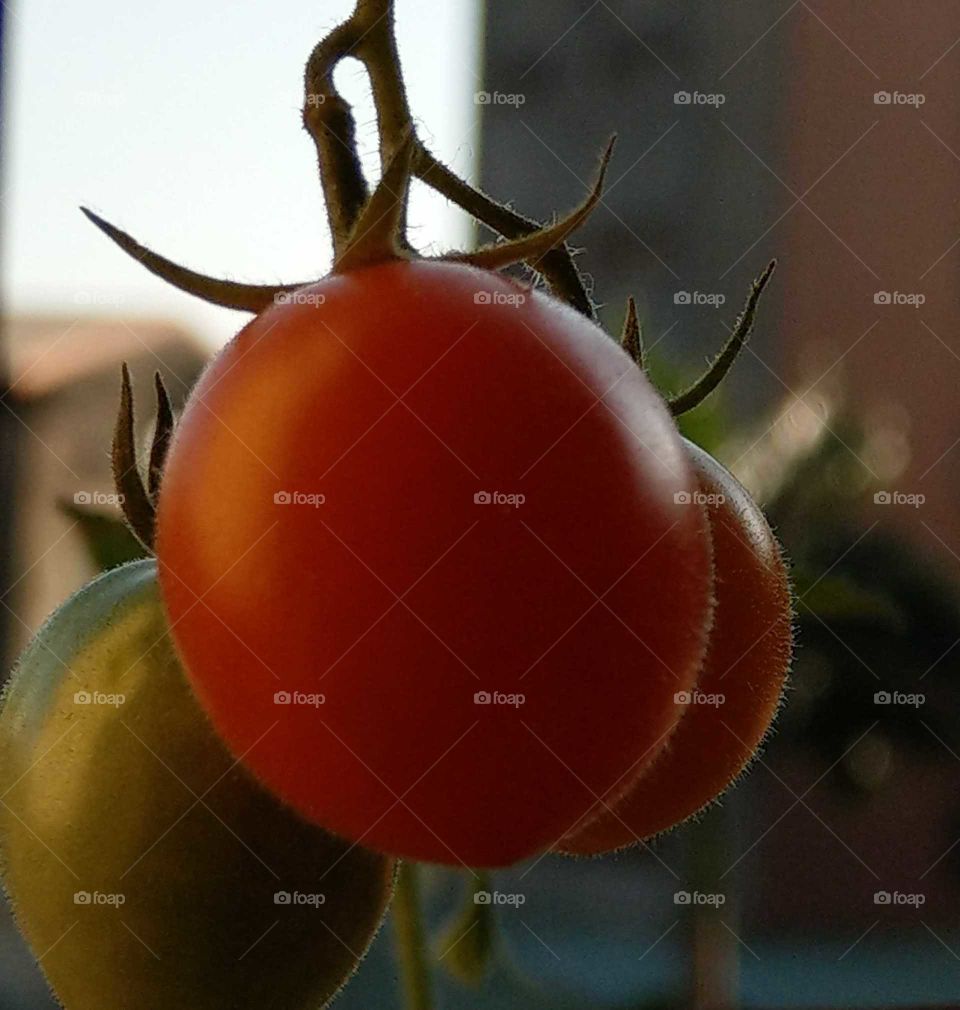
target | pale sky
[{"x": 179, "y": 122}]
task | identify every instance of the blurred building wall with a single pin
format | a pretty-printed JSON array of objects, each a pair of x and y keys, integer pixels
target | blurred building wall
[
  {"x": 874, "y": 150},
  {"x": 63, "y": 399},
  {"x": 824, "y": 134},
  {"x": 695, "y": 105}
]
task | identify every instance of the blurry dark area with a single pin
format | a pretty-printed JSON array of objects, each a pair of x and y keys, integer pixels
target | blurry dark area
[
  {"x": 65, "y": 399},
  {"x": 684, "y": 199},
  {"x": 746, "y": 131}
]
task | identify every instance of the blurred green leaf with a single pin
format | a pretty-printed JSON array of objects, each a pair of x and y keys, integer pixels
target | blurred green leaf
[
  {"x": 107, "y": 539},
  {"x": 841, "y": 598},
  {"x": 465, "y": 946}
]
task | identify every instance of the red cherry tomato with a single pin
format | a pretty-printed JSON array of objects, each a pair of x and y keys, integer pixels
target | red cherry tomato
[
  {"x": 421, "y": 546},
  {"x": 739, "y": 689}
]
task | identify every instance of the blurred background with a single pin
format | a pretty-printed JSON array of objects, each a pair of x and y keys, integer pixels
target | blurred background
[{"x": 824, "y": 134}]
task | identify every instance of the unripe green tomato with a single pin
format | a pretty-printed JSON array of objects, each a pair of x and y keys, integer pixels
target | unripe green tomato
[{"x": 146, "y": 868}]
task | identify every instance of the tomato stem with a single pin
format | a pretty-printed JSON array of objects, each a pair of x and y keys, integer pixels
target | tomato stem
[
  {"x": 631, "y": 338},
  {"x": 162, "y": 433},
  {"x": 137, "y": 506},
  {"x": 410, "y": 939},
  {"x": 467, "y": 944},
  {"x": 328, "y": 118},
  {"x": 723, "y": 362},
  {"x": 377, "y": 235},
  {"x": 556, "y": 266},
  {"x": 533, "y": 247},
  {"x": 229, "y": 294},
  {"x": 369, "y": 35}
]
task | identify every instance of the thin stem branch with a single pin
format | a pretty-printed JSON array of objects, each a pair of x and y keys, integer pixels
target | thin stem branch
[
  {"x": 136, "y": 504},
  {"x": 377, "y": 47},
  {"x": 411, "y": 939},
  {"x": 328, "y": 118},
  {"x": 723, "y": 362},
  {"x": 229, "y": 294},
  {"x": 557, "y": 266},
  {"x": 532, "y": 248},
  {"x": 631, "y": 338},
  {"x": 368, "y": 35}
]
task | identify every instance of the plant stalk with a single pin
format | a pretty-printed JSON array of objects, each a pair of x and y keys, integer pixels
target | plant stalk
[{"x": 410, "y": 939}]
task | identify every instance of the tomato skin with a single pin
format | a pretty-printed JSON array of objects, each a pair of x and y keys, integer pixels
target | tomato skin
[
  {"x": 747, "y": 663},
  {"x": 129, "y": 800},
  {"x": 399, "y": 393}
]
